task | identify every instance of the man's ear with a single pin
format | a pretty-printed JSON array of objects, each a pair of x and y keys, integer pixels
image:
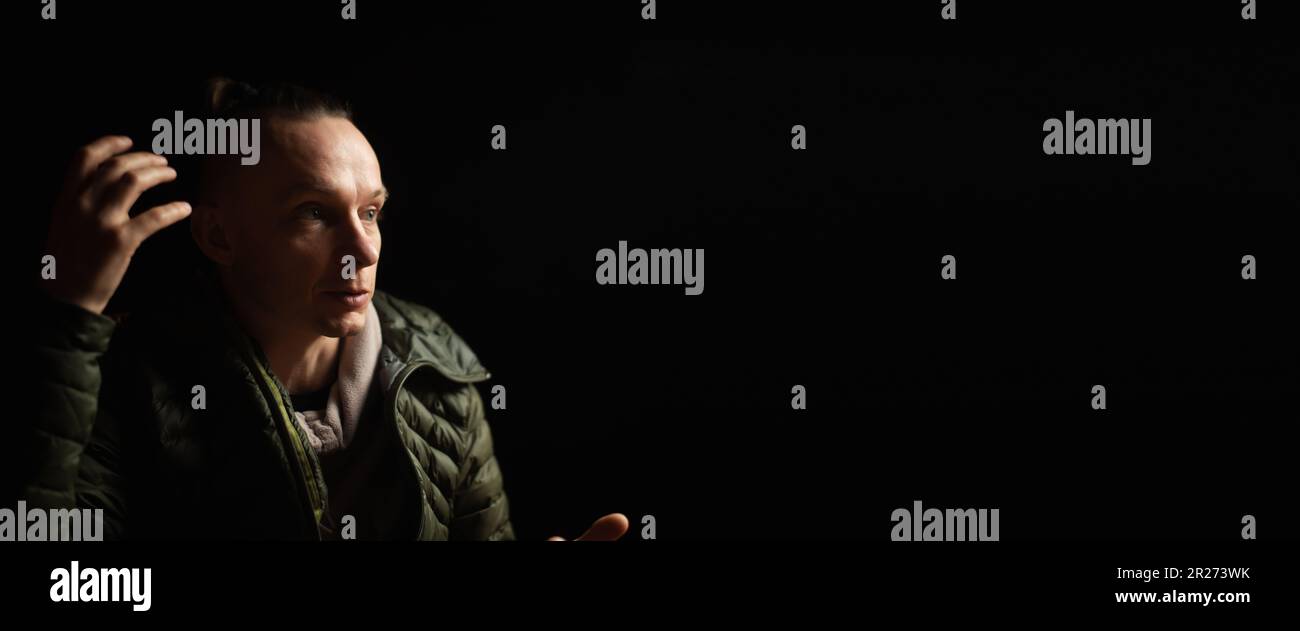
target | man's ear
[{"x": 210, "y": 233}]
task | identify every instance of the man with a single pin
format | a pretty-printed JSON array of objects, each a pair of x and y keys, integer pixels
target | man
[{"x": 279, "y": 397}]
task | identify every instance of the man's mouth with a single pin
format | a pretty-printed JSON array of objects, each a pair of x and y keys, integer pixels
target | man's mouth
[{"x": 351, "y": 298}]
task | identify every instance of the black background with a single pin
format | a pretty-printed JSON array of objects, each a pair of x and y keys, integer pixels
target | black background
[{"x": 822, "y": 266}]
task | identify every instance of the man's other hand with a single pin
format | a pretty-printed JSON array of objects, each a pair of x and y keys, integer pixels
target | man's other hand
[{"x": 607, "y": 528}]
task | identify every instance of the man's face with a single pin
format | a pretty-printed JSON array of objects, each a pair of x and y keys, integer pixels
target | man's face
[{"x": 314, "y": 198}]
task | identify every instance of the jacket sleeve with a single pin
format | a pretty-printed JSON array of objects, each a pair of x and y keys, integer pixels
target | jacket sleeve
[
  {"x": 73, "y": 458},
  {"x": 480, "y": 509}
]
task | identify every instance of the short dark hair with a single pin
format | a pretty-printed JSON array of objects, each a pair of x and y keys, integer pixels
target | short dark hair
[{"x": 227, "y": 98}]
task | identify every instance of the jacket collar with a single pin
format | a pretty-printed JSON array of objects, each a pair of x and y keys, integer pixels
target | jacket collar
[{"x": 415, "y": 334}]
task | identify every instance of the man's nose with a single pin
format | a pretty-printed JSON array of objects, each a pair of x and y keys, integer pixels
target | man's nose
[{"x": 360, "y": 242}]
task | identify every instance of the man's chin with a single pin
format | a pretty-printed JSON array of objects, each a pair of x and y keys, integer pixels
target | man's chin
[{"x": 343, "y": 325}]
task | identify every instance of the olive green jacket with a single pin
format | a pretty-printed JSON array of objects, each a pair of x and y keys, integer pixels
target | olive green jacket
[{"x": 116, "y": 426}]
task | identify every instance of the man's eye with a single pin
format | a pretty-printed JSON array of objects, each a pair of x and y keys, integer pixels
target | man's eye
[
  {"x": 311, "y": 212},
  {"x": 372, "y": 214}
]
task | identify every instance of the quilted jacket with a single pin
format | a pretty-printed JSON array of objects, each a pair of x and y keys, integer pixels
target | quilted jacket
[{"x": 115, "y": 426}]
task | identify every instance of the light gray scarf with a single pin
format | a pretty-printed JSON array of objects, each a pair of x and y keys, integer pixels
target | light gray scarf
[{"x": 332, "y": 429}]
